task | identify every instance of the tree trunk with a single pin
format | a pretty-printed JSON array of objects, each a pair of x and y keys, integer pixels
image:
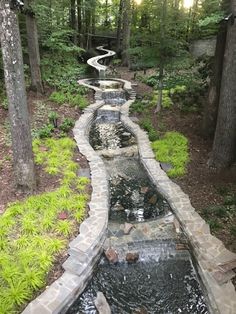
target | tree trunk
[
  {"x": 224, "y": 148},
  {"x": 15, "y": 86},
  {"x": 211, "y": 109},
  {"x": 126, "y": 33},
  {"x": 33, "y": 49},
  {"x": 73, "y": 20},
  {"x": 79, "y": 23},
  {"x": 162, "y": 56},
  {"x": 160, "y": 88},
  {"x": 119, "y": 24}
]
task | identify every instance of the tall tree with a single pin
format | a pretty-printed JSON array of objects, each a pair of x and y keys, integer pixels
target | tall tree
[
  {"x": 15, "y": 86},
  {"x": 33, "y": 48},
  {"x": 162, "y": 56},
  {"x": 119, "y": 26},
  {"x": 73, "y": 20},
  {"x": 211, "y": 108},
  {"x": 126, "y": 32},
  {"x": 224, "y": 148},
  {"x": 79, "y": 22}
]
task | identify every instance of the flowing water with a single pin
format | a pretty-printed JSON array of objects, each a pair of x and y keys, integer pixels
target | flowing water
[{"x": 164, "y": 280}]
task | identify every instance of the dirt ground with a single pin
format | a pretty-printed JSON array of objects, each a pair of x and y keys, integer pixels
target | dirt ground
[
  {"x": 202, "y": 184},
  {"x": 39, "y": 108}
]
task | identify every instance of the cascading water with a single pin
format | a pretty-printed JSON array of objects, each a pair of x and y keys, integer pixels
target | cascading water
[{"x": 163, "y": 280}]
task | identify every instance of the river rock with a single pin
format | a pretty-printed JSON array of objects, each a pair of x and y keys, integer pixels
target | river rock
[
  {"x": 140, "y": 310},
  {"x": 144, "y": 189},
  {"x": 118, "y": 207},
  {"x": 153, "y": 199},
  {"x": 128, "y": 227},
  {"x": 132, "y": 257},
  {"x": 111, "y": 255},
  {"x": 101, "y": 304}
]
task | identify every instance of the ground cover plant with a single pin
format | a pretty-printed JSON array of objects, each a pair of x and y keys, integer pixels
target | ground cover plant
[
  {"x": 35, "y": 231},
  {"x": 172, "y": 149}
]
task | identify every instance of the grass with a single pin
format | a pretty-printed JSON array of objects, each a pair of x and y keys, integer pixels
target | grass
[
  {"x": 173, "y": 149},
  {"x": 32, "y": 234}
]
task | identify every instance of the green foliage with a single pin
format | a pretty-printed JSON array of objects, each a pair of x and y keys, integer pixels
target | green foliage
[
  {"x": 53, "y": 118},
  {"x": 67, "y": 124},
  {"x": 4, "y": 103},
  {"x": 31, "y": 232},
  {"x": 146, "y": 124},
  {"x": 173, "y": 149},
  {"x": 61, "y": 98},
  {"x": 45, "y": 131},
  {"x": 64, "y": 227}
]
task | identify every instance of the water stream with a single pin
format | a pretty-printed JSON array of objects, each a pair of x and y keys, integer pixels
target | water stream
[{"x": 164, "y": 280}]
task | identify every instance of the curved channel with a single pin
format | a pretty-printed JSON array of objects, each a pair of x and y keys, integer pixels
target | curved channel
[{"x": 94, "y": 62}]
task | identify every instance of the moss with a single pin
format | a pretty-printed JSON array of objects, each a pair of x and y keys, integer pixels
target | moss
[
  {"x": 31, "y": 231},
  {"x": 173, "y": 149}
]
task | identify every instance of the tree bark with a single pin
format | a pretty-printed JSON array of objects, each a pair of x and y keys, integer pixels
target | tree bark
[
  {"x": 162, "y": 56},
  {"x": 73, "y": 20},
  {"x": 33, "y": 49},
  {"x": 17, "y": 102},
  {"x": 79, "y": 23},
  {"x": 119, "y": 24},
  {"x": 224, "y": 148},
  {"x": 126, "y": 33},
  {"x": 211, "y": 109}
]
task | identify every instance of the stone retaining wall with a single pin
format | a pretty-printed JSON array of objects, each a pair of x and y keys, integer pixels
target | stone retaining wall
[
  {"x": 85, "y": 250},
  {"x": 210, "y": 253}
]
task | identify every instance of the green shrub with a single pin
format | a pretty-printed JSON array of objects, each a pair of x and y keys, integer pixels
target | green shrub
[
  {"x": 53, "y": 118},
  {"x": 146, "y": 124},
  {"x": 61, "y": 97},
  {"x": 66, "y": 125},
  {"x": 45, "y": 131},
  {"x": 58, "y": 97},
  {"x": 173, "y": 149}
]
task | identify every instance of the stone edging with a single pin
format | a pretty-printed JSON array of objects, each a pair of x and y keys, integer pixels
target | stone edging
[
  {"x": 94, "y": 61},
  {"x": 209, "y": 251},
  {"x": 86, "y": 248}
]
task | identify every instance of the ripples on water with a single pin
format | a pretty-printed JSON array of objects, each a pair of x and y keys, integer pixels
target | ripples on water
[{"x": 164, "y": 287}]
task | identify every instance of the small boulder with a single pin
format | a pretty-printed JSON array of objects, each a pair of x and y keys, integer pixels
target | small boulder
[
  {"x": 101, "y": 304},
  {"x": 127, "y": 228},
  {"x": 132, "y": 257},
  {"x": 111, "y": 255},
  {"x": 153, "y": 199}
]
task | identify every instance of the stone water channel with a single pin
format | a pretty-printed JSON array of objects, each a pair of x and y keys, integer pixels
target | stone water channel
[
  {"x": 163, "y": 279},
  {"x": 169, "y": 242}
]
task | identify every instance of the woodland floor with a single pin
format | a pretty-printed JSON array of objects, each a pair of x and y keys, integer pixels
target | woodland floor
[{"x": 39, "y": 108}]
